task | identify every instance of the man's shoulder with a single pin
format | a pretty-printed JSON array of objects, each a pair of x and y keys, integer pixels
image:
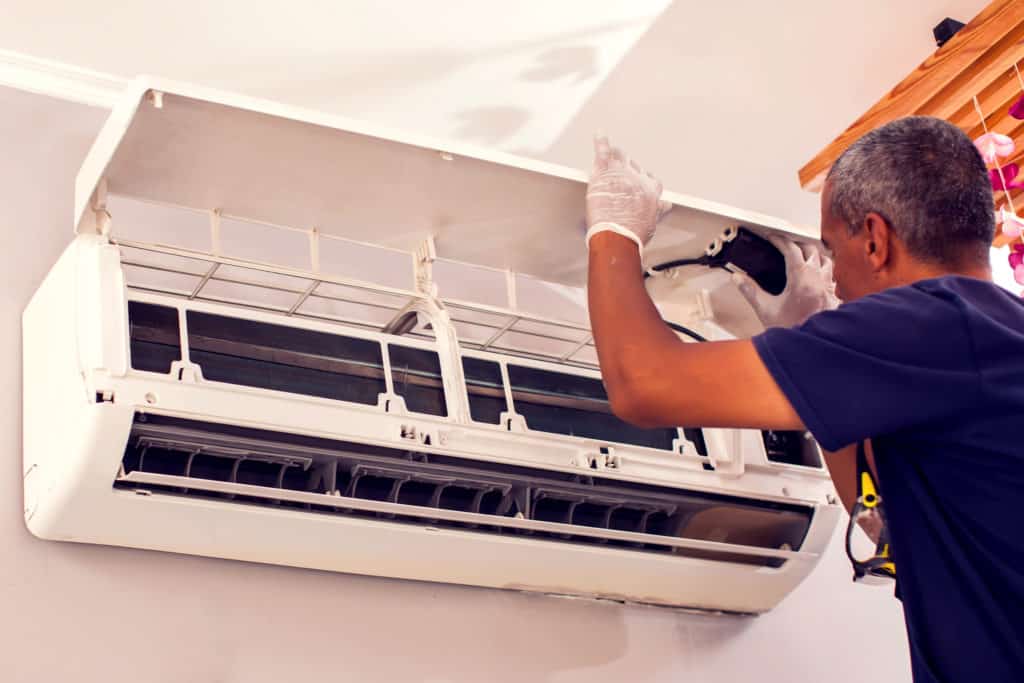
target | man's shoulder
[
  {"x": 937, "y": 300},
  {"x": 898, "y": 325},
  {"x": 969, "y": 291},
  {"x": 978, "y": 323},
  {"x": 911, "y": 307},
  {"x": 989, "y": 310}
]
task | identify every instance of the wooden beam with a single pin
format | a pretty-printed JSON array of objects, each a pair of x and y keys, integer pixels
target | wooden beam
[
  {"x": 983, "y": 50},
  {"x": 997, "y": 97}
]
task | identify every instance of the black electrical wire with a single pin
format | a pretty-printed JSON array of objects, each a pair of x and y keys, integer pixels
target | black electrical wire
[
  {"x": 675, "y": 264},
  {"x": 699, "y": 261},
  {"x": 686, "y": 330}
]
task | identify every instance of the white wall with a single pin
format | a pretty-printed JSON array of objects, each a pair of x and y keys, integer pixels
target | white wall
[
  {"x": 726, "y": 100},
  {"x": 96, "y": 614}
]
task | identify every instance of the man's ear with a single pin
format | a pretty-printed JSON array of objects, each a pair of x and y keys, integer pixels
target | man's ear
[{"x": 878, "y": 245}]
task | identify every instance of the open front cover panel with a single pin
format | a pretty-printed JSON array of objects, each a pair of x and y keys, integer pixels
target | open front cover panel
[{"x": 271, "y": 164}]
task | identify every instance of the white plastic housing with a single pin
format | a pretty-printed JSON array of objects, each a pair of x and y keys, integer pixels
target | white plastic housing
[{"x": 82, "y": 394}]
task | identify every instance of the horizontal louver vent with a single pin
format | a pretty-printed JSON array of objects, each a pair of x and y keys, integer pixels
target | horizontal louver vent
[{"x": 241, "y": 465}]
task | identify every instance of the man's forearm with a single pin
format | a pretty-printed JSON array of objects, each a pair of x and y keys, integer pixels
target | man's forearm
[{"x": 628, "y": 330}]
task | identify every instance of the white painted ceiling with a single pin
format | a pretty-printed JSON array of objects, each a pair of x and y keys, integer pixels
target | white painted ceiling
[{"x": 505, "y": 74}]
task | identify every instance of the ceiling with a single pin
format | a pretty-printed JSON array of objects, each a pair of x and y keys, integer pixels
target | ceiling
[{"x": 498, "y": 74}]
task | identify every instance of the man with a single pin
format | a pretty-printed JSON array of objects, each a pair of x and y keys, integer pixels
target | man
[{"x": 925, "y": 358}]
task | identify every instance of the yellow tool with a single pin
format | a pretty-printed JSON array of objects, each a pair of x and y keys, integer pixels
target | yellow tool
[{"x": 880, "y": 566}]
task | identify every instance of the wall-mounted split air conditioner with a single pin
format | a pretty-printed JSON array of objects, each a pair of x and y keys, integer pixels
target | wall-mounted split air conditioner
[{"x": 284, "y": 338}]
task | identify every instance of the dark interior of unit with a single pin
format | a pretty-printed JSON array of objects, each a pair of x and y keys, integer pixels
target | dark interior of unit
[
  {"x": 416, "y": 377},
  {"x": 560, "y": 403},
  {"x": 553, "y": 402},
  {"x": 313, "y": 363},
  {"x": 277, "y": 461},
  {"x": 299, "y": 361},
  {"x": 791, "y": 448},
  {"x": 268, "y": 356},
  {"x": 486, "y": 389},
  {"x": 154, "y": 335}
]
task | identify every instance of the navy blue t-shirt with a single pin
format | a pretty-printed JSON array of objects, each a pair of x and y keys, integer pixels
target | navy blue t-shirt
[{"x": 933, "y": 373}]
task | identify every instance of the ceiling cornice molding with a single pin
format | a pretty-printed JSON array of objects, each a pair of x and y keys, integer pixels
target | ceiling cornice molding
[{"x": 62, "y": 81}]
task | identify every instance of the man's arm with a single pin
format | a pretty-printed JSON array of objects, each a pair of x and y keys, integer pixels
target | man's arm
[
  {"x": 842, "y": 465},
  {"x": 655, "y": 379}
]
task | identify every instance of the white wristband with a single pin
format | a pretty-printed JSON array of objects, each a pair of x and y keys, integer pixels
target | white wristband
[{"x": 617, "y": 229}]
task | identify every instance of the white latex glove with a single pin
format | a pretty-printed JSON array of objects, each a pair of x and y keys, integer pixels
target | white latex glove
[
  {"x": 621, "y": 197},
  {"x": 809, "y": 288}
]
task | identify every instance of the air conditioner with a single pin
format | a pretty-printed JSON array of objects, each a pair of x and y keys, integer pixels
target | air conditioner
[{"x": 253, "y": 349}]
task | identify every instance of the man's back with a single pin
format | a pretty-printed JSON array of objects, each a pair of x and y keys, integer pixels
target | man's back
[{"x": 933, "y": 373}]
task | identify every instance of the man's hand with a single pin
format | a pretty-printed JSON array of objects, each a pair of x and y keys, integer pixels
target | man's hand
[
  {"x": 809, "y": 288},
  {"x": 621, "y": 197}
]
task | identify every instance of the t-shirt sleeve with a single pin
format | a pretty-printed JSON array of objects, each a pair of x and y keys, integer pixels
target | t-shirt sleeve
[{"x": 891, "y": 361}]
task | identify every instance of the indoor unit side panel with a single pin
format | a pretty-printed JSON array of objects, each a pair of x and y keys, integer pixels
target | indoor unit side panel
[
  {"x": 53, "y": 391},
  {"x": 60, "y": 418},
  {"x": 86, "y": 459}
]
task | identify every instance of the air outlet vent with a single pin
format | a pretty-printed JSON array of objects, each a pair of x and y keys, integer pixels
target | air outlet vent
[{"x": 241, "y": 465}]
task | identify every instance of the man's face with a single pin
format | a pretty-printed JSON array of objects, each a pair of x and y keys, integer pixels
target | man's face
[{"x": 852, "y": 270}]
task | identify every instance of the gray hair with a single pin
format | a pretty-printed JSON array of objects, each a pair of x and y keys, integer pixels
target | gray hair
[{"x": 925, "y": 177}]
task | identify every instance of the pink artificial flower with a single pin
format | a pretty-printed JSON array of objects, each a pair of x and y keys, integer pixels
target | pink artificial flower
[
  {"x": 1013, "y": 226},
  {"x": 1016, "y": 255},
  {"x": 991, "y": 146},
  {"x": 1010, "y": 172},
  {"x": 1018, "y": 274},
  {"x": 1017, "y": 109}
]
